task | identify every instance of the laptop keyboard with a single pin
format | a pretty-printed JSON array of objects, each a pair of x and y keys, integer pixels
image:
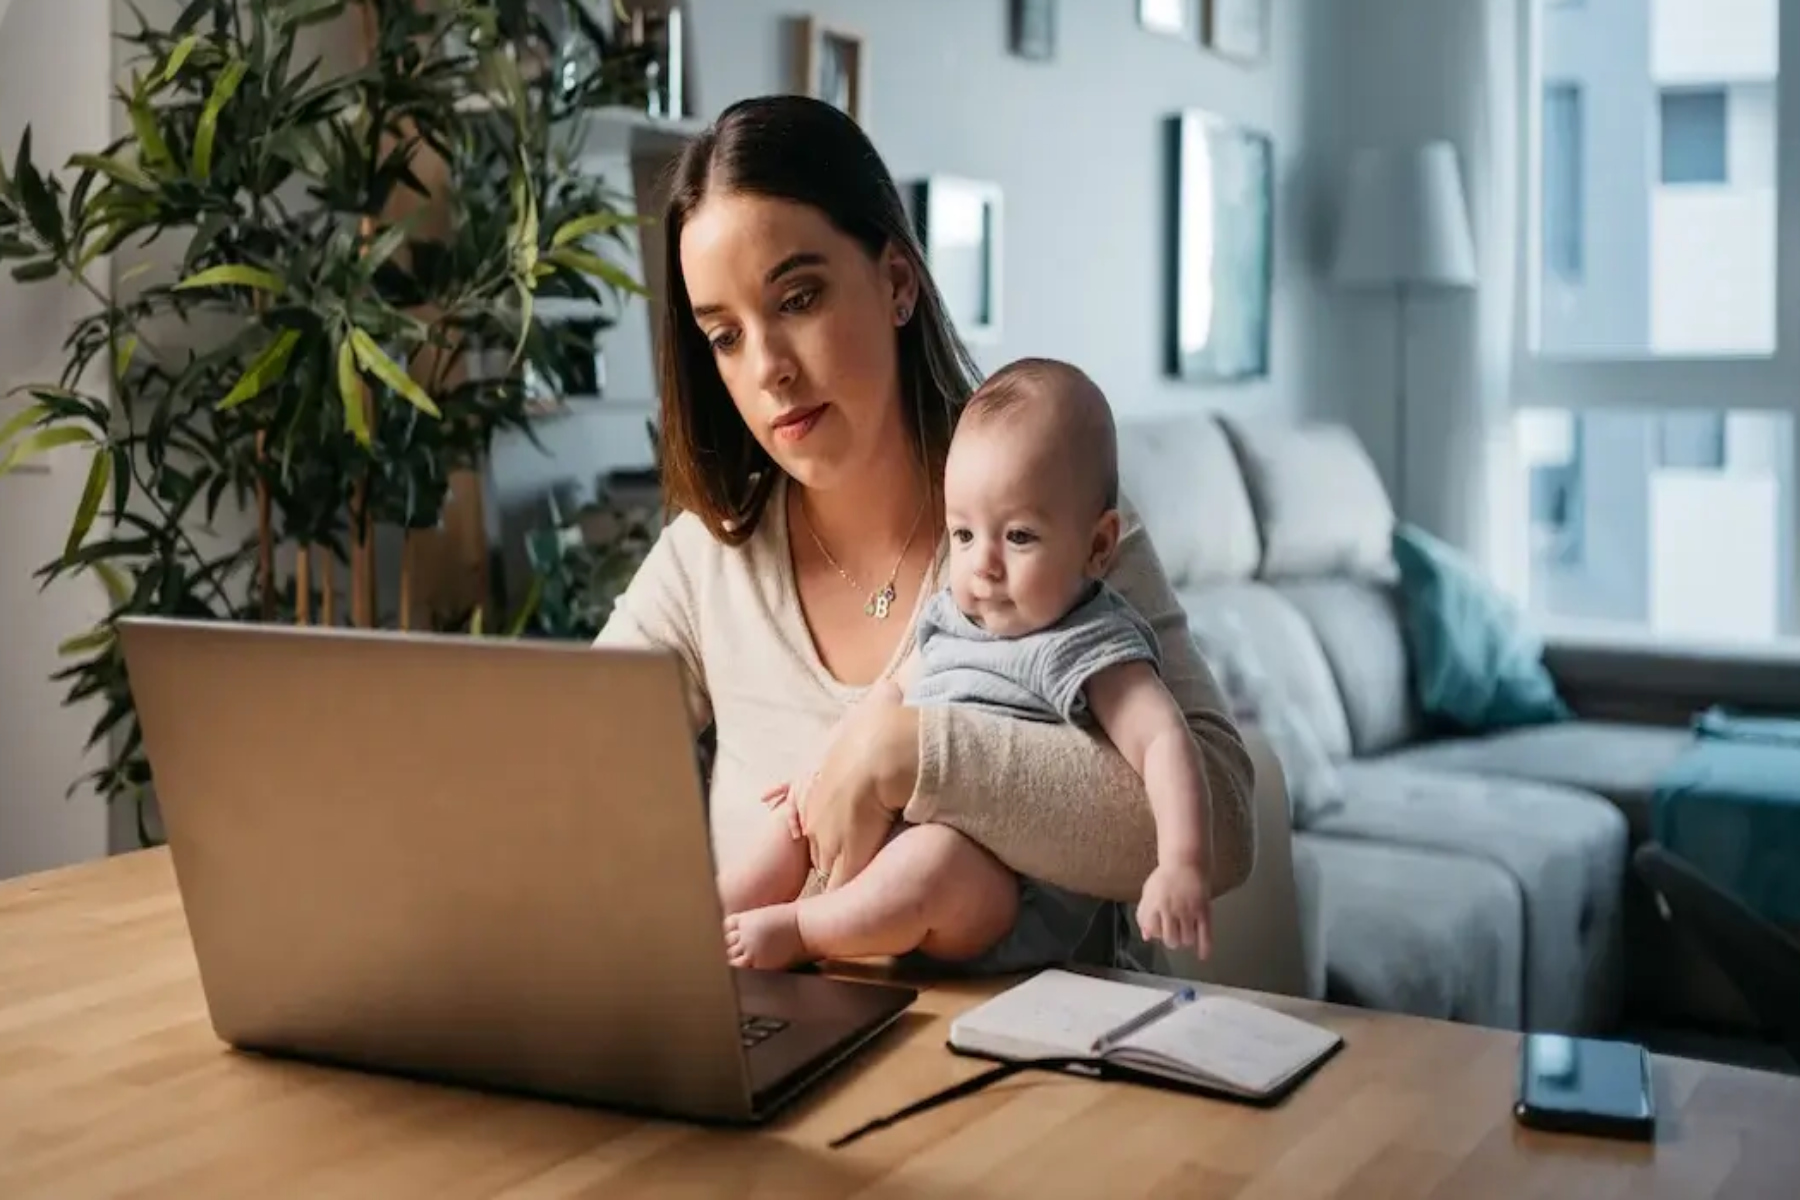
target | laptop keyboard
[{"x": 755, "y": 1030}]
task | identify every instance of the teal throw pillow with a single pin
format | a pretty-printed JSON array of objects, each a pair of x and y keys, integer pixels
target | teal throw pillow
[{"x": 1477, "y": 662}]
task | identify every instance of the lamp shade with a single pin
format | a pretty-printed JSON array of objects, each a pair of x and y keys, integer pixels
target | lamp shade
[{"x": 1404, "y": 220}]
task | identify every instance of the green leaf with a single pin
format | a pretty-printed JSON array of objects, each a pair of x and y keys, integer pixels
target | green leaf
[
  {"x": 208, "y": 129},
  {"x": 22, "y": 420},
  {"x": 122, "y": 356},
  {"x": 33, "y": 272},
  {"x": 375, "y": 361},
  {"x": 302, "y": 12},
  {"x": 117, "y": 589},
  {"x": 179, "y": 55},
  {"x": 98, "y": 480},
  {"x": 389, "y": 241},
  {"x": 41, "y": 441},
  {"x": 112, "y": 168},
  {"x": 228, "y": 274},
  {"x": 592, "y": 264},
  {"x": 581, "y": 227},
  {"x": 153, "y": 151},
  {"x": 97, "y": 638},
  {"x": 263, "y": 370},
  {"x": 352, "y": 392}
]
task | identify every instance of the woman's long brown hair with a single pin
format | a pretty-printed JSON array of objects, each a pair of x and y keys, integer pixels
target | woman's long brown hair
[{"x": 806, "y": 151}]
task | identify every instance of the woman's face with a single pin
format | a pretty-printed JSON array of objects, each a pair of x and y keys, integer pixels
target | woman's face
[{"x": 802, "y": 324}]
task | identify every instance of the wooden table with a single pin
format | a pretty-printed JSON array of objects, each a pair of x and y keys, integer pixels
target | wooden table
[{"x": 112, "y": 1084}]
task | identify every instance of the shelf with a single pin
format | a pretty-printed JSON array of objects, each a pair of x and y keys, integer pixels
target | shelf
[{"x": 616, "y": 129}]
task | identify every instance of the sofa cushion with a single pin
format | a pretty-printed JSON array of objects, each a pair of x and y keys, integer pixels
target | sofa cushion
[
  {"x": 1184, "y": 482},
  {"x": 1565, "y": 848},
  {"x": 1477, "y": 662},
  {"x": 1621, "y": 762},
  {"x": 1286, "y": 648},
  {"x": 1358, "y": 625},
  {"x": 1257, "y": 698},
  {"x": 1318, "y": 498},
  {"x": 1417, "y": 931}
]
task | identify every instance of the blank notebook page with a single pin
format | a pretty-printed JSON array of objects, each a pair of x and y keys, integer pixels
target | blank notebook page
[
  {"x": 1247, "y": 1045},
  {"x": 1054, "y": 1012}
]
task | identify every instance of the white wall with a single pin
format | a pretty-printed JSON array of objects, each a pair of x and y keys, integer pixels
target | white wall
[
  {"x": 1712, "y": 266},
  {"x": 1713, "y": 41},
  {"x": 55, "y": 75}
]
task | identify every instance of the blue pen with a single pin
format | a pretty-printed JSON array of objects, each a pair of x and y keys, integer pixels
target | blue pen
[{"x": 1156, "y": 1012}]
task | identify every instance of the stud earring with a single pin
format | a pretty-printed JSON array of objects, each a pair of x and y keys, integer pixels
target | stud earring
[{"x": 904, "y": 314}]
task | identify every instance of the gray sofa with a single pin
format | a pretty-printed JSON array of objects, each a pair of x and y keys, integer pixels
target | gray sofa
[{"x": 1480, "y": 879}]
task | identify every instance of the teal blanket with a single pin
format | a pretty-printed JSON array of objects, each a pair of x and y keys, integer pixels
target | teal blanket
[{"x": 1731, "y": 806}]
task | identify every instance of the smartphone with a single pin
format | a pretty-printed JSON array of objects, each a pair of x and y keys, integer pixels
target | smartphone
[{"x": 1585, "y": 1085}]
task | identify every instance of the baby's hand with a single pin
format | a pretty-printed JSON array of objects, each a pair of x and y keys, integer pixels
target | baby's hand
[
  {"x": 1176, "y": 907},
  {"x": 781, "y": 799}
]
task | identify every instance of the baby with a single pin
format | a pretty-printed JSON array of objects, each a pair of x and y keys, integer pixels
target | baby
[{"x": 1026, "y": 627}]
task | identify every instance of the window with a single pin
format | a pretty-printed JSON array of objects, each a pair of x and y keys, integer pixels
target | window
[
  {"x": 1675, "y": 522},
  {"x": 1656, "y": 405},
  {"x": 1692, "y": 440},
  {"x": 1562, "y": 181},
  {"x": 1660, "y": 120},
  {"x": 1693, "y": 136}
]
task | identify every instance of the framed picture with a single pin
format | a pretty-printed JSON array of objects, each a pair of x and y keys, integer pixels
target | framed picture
[
  {"x": 1221, "y": 269},
  {"x": 1175, "y": 18},
  {"x": 1034, "y": 29},
  {"x": 833, "y": 66},
  {"x": 1237, "y": 29},
  {"x": 958, "y": 223}
]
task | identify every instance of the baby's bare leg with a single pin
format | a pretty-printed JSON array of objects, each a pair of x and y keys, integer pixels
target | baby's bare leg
[
  {"x": 773, "y": 869},
  {"x": 930, "y": 889}
]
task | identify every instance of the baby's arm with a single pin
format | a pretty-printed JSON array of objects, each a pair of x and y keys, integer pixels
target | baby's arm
[{"x": 1143, "y": 721}]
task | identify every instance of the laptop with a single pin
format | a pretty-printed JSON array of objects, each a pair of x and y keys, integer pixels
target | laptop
[{"x": 478, "y": 861}]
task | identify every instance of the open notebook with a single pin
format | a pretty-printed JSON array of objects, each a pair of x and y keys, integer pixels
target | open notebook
[{"x": 1211, "y": 1042}]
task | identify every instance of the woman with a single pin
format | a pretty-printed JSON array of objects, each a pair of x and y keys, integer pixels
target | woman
[{"x": 811, "y": 380}]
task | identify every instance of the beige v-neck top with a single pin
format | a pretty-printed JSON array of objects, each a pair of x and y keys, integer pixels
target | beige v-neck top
[{"x": 1052, "y": 801}]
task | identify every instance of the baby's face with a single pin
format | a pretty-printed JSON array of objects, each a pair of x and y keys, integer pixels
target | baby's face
[{"x": 1023, "y": 534}]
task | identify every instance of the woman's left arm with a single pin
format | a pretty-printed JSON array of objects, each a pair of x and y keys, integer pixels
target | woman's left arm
[{"x": 1059, "y": 803}]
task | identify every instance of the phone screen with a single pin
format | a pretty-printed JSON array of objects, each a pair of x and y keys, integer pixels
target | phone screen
[{"x": 1585, "y": 1077}]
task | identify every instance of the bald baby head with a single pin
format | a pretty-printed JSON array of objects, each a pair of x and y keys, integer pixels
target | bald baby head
[
  {"x": 1031, "y": 493},
  {"x": 1045, "y": 398}
]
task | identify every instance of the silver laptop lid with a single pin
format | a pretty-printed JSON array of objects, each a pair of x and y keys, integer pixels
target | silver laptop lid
[{"x": 474, "y": 859}]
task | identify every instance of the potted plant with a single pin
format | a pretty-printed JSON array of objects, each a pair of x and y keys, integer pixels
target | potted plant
[{"x": 318, "y": 251}]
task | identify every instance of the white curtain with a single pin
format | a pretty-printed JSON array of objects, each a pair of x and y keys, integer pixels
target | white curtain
[
  {"x": 1467, "y": 484},
  {"x": 1419, "y": 70}
]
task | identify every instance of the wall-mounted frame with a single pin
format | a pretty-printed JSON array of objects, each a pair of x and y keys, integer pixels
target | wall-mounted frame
[
  {"x": 959, "y": 224},
  {"x": 1033, "y": 29},
  {"x": 1171, "y": 18},
  {"x": 832, "y": 64},
  {"x": 1237, "y": 29},
  {"x": 1221, "y": 236}
]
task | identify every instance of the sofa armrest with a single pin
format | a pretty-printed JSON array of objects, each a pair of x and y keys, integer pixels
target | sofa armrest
[
  {"x": 1259, "y": 936},
  {"x": 1663, "y": 684}
]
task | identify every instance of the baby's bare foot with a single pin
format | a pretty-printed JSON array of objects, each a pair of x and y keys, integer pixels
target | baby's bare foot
[{"x": 766, "y": 939}]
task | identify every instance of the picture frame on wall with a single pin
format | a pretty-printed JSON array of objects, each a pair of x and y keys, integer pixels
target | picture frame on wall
[
  {"x": 1237, "y": 29},
  {"x": 1033, "y": 28},
  {"x": 959, "y": 223},
  {"x": 1220, "y": 268},
  {"x": 832, "y": 64},
  {"x": 1171, "y": 18}
]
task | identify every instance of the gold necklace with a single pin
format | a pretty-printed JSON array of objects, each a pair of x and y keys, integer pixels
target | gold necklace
[{"x": 881, "y": 600}]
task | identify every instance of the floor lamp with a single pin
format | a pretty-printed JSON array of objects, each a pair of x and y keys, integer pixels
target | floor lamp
[{"x": 1404, "y": 226}]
